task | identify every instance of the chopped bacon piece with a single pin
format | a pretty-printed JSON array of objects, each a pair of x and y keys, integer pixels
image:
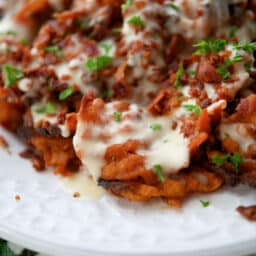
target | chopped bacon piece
[
  {"x": 3, "y": 142},
  {"x": 207, "y": 73},
  {"x": 248, "y": 212}
]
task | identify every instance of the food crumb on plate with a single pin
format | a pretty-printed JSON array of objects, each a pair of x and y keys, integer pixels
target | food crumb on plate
[
  {"x": 248, "y": 213},
  {"x": 4, "y": 144},
  {"x": 76, "y": 195},
  {"x": 17, "y": 198}
]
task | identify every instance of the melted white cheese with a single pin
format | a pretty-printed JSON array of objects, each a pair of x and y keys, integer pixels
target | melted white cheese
[
  {"x": 130, "y": 34},
  {"x": 211, "y": 91},
  {"x": 170, "y": 151},
  {"x": 192, "y": 27},
  {"x": 240, "y": 72},
  {"x": 83, "y": 184},
  {"x": 166, "y": 146},
  {"x": 221, "y": 104},
  {"x": 142, "y": 69},
  {"x": 74, "y": 72},
  {"x": 8, "y": 23},
  {"x": 25, "y": 84}
]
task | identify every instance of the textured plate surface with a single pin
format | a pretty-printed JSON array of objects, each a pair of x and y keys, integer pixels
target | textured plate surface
[{"x": 49, "y": 219}]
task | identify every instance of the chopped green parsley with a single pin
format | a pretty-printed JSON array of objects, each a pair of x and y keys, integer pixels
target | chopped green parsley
[
  {"x": 211, "y": 46},
  {"x": 24, "y": 41},
  {"x": 220, "y": 160},
  {"x": 55, "y": 49},
  {"x": 248, "y": 66},
  {"x": 205, "y": 204},
  {"x": 232, "y": 31},
  {"x": 156, "y": 127},
  {"x": 12, "y": 75},
  {"x": 223, "y": 69},
  {"x": 247, "y": 47},
  {"x": 179, "y": 74},
  {"x": 227, "y": 135},
  {"x": 174, "y": 7},
  {"x": 9, "y": 33},
  {"x": 192, "y": 72},
  {"x": 236, "y": 58},
  {"x": 117, "y": 30},
  {"x": 118, "y": 116},
  {"x": 66, "y": 93},
  {"x": 192, "y": 108},
  {"x": 126, "y": 5},
  {"x": 136, "y": 20},
  {"x": 49, "y": 108},
  {"x": 106, "y": 47},
  {"x": 236, "y": 160},
  {"x": 105, "y": 93},
  {"x": 83, "y": 24},
  {"x": 159, "y": 172},
  {"x": 98, "y": 63}
]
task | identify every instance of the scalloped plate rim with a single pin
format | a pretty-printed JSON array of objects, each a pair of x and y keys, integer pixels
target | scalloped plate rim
[{"x": 243, "y": 248}]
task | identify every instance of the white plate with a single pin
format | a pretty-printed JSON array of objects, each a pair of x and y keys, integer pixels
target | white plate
[{"x": 50, "y": 220}]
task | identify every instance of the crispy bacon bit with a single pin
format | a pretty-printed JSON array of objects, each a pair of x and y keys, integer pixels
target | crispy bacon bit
[
  {"x": 207, "y": 73},
  {"x": 120, "y": 73},
  {"x": 11, "y": 117},
  {"x": 17, "y": 198},
  {"x": 121, "y": 90},
  {"x": 70, "y": 14},
  {"x": 204, "y": 122},
  {"x": 71, "y": 122},
  {"x": 32, "y": 7},
  {"x": 248, "y": 212},
  {"x": 76, "y": 195},
  {"x": 175, "y": 46},
  {"x": 90, "y": 47},
  {"x": 160, "y": 104},
  {"x": 89, "y": 110},
  {"x": 247, "y": 106},
  {"x": 176, "y": 203},
  {"x": 38, "y": 163},
  {"x": 3, "y": 142}
]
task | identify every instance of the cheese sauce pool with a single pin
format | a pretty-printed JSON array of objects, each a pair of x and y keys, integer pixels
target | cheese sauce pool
[{"x": 83, "y": 185}]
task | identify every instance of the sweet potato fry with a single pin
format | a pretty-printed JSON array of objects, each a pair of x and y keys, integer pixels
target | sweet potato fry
[
  {"x": 57, "y": 152},
  {"x": 124, "y": 164},
  {"x": 173, "y": 191},
  {"x": 197, "y": 141},
  {"x": 10, "y": 115}
]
